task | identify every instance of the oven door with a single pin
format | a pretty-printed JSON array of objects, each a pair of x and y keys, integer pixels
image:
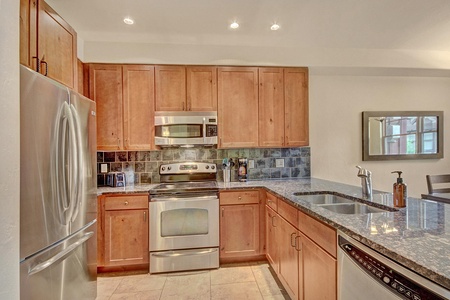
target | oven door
[{"x": 184, "y": 222}]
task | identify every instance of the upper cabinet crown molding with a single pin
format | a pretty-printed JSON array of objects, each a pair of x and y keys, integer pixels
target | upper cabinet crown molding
[{"x": 48, "y": 44}]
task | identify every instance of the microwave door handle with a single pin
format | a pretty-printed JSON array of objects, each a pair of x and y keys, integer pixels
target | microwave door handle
[{"x": 204, "y": 130}]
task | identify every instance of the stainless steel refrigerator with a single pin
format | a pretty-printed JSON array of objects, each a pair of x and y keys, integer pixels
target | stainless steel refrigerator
[{"x": 58, "y": 202}]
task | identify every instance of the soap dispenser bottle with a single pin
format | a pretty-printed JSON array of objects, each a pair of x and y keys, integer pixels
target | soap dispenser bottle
[{"x": 400, "y": 192}]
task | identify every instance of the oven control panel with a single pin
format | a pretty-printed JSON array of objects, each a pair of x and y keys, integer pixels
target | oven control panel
[
  {"x": 187, "y": 168},
  {"x": 396, "y": 282}
]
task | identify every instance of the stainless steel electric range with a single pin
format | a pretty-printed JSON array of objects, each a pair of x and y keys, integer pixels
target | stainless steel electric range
[{"x": 184, "y": 214}]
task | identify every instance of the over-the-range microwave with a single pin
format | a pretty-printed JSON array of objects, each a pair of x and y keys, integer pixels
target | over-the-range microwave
[{"x": 185, "y": 128}]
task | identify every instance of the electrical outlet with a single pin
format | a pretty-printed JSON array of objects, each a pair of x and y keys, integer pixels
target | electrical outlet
[
  {"x": 279, "y": 163},
  {"x": 103, "y": 168},
  {"x": 251, "y": 163}
]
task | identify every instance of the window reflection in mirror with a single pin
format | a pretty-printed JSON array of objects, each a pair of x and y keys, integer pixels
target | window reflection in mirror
[{"x": 402, "y": 135}]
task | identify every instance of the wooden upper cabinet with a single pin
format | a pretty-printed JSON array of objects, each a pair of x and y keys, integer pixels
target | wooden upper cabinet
[
  {"x": 46, "y": 38},
  {"x": 271, "y": 107},
  {"x": 238, "y": 107},
  {"x": 296, "y": 107},
  {"x": 201, "y": 85},
  {"x": 170, "y": 88},
  {"x": 28, "y": 13},
  {"x": 56, "y": 47},
  {"x": 138, "y": 107},
  {"x": 105, "y": 88}
]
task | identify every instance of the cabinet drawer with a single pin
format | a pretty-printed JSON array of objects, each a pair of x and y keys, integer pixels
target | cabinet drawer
[
  {"x": 320, "y": 233},
  {"x": 239, "y": 197},
  {"x": 272, "y": 201},
  {"x": 126, "y": 202},
  {"x": 288, "y": 212}
]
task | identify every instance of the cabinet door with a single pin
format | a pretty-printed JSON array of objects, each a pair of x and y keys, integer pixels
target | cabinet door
[
  {"x": 138, "y": 107},
  {"x": 319, "y": 272},
  {"x": 296, "y": 107},
  {"x": 238, "y": 107},
  {"x": 271, "y": 107},
  {"x": 28, "y": 10},
  {"x": 56, "y": 47},
  {"x": 126, "y": 237},
  {"x": 201, "y": 88},
  {"x": 105, "y": 88},
  {"x": 272, "y": 225},
  {"x": 170, "y": 88},
  {"x": 239, "y": 230},
  {"x": 288, "y": 258}
]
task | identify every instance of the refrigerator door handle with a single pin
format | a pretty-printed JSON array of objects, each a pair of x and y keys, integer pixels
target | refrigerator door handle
[
  {"x": 73, "y": 163},
  {"x": 77, "y": 156},
  {"x": 59, "y": 174},
  {"x": 61, "y": 255}
]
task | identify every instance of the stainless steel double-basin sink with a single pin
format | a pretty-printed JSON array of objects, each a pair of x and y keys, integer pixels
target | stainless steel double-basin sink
[{"x": 339, "y": 204}]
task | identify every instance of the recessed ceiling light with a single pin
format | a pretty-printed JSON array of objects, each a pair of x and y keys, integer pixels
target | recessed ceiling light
[
  {"x": 275, "y": 26},
  {"x": 128, "y": 21},
  {"x": 234, "y": 25}
]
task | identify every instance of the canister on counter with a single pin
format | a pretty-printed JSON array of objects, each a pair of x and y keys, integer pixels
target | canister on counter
[{"x": 242, "y": 169}]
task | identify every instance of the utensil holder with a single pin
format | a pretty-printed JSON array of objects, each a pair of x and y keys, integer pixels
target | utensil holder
[{"x": 226, "y": 175}]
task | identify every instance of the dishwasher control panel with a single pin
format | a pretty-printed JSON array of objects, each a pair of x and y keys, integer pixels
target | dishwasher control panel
[{"x": 397, "y": 283}]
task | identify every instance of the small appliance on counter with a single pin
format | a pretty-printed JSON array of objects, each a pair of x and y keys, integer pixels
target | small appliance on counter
[
  {"x": 242, "y": 169},
  {"x": 115, "y": 179}
]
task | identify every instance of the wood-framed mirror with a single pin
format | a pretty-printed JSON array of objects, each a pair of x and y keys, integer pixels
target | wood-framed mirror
[{"x": 401, "y": 135}]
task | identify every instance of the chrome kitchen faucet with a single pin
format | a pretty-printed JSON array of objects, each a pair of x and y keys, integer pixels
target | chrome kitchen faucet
[{"x": 366, "y": 182}]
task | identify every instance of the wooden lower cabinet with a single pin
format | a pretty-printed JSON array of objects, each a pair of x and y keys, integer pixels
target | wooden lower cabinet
[
  {"x": 239, "y": 230},
  {"x": 318, "y": 272},
  {"x": 272, "y": 223},
  {"x": 288, "y": 258},
  {"x": 302, "y": 255},
  {"x": 241, "y": 238},
  {"x": 123, "y": 235}
]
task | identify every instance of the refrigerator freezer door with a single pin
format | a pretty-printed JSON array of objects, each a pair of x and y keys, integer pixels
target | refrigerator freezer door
[{"x": 61, "y": 272}]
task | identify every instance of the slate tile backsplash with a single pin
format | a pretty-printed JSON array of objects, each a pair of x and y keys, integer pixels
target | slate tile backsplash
[{"x": 146, "y": 163}]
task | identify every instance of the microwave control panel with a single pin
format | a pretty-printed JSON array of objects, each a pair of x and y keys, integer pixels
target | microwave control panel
[{"x": 211, "y": 130}]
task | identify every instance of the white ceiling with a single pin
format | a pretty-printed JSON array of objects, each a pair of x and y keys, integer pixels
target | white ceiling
[{"x": 358, "y": 24}]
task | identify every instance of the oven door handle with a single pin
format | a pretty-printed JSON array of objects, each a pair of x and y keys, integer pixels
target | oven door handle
[
  {"x": 175, "y": 198},
  {"x": 177, "y": 254}
]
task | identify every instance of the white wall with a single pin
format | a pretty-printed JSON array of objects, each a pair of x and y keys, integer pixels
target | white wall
[
  {"x": 343, "y": 83},
  {"x": 9, "y": 149},
  {"x": 336, "y": 103},
  {"x": 147, "y": 53}
]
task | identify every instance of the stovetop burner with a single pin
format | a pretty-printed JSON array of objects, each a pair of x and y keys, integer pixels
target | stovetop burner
[
  {"x": 178, "y": 187},
  {"x": 187, "y": 177}
]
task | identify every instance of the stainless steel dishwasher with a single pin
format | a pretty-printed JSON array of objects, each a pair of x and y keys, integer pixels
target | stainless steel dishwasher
[{"x": 365, "y": 274}]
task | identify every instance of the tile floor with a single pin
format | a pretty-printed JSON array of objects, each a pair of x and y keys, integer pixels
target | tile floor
[{"x": 234, "y": 281}]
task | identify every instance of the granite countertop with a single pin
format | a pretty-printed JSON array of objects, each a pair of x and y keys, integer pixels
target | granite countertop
[{"x": 417, "y": 236}]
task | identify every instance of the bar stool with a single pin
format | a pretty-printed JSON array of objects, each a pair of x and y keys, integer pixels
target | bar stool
[{"x": 436, "y": 183}]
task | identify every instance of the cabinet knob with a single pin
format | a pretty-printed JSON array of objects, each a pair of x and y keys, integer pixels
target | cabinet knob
[
  {"x": 239, "y": 198},
  {"x": 126, "y": 202}
]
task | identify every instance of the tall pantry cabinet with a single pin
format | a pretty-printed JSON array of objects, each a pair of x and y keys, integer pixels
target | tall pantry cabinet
[{"x": 48, "y": 44}]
